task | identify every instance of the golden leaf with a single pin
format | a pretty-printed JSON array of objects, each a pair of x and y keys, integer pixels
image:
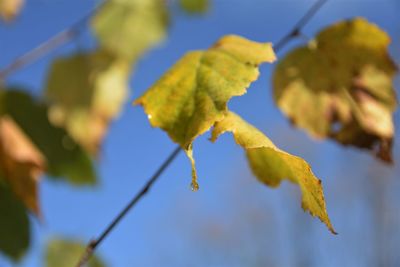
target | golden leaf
[
  {"x": 272, "y": 165},
  {"x": 342, "y": 87}
]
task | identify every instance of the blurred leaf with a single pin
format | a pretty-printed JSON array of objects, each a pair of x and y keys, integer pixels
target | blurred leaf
[
  {"x": 64, "y": 157},
  {"x": 9, "y": 9},
  {"x": 340, "y": 86},
  {"x": 21, "y": 163},
  {"x": 86, "y": 92},
  {"x": 66, "y": 253},
  {"x": 194, "y": 6},
  {"x": 14, "y": 224},
  {"x": 271, "y": 165},
  {"x": 128, "y": 28},
  {"x": 193, "y": 94}
]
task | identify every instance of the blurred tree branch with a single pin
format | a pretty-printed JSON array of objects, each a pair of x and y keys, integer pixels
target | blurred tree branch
[{"x": 47, "y": 46}]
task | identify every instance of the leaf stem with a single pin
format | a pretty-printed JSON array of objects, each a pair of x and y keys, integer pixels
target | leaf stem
[{"x": 96, "y": 242}]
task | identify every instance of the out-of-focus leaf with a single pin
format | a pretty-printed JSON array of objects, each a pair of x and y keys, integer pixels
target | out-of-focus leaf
[
  {"x": 271, "y": 165},
  {"x": 14, "y": 224},
  {"x": 194, "y": 6},
  {"x": 21, "y": 163},
  {"x": 340, "y": 86},
  {"x": 9, "y": 9},
  {"x": 128, "y": 28},
  {"x": 87, "y": 91},
  {"x": 66, "y": 253},
  {"x": 193, "y": 94},
  {"x": 65, "y": 158}
]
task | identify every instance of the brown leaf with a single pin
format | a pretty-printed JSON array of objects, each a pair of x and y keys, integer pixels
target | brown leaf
[{"x": 21, "y": 163}]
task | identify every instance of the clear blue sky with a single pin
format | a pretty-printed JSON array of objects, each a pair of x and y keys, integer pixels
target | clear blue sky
[{"x": 233, "y": 220}]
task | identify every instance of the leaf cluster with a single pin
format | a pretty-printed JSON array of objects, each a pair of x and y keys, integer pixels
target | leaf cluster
[{"x": 339, "y": 86}]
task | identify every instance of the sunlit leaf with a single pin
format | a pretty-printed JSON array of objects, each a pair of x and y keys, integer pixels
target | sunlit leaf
[
  {"x": 87, "y": 91},
  {"x": 341, "y": 86},
  {"x": 194, "y": 6},
  {"x": 272, "y": 165},
  {"x": 64, "y": 157},
  {"x": 129, "y": 28},
  {"x": 14, "y": 224},
  {"x": 194, "y": 93},
  {"x": 21, "y": 163},
  {"x": 9, "y": 9},
  {"x": 66, "y": 253}
]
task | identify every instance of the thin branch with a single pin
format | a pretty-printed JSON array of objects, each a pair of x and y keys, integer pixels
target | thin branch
[
  {"x": 47, "y": 46},
  {"x": 96, "y": 242},
  {"x": 296, "y": 30}
]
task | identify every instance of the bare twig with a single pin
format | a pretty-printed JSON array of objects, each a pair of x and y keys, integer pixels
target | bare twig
[
  {"x": 47, "y": 46},
  {"x": 296, "y": 30},
  {"x": 96, "y": 242}
]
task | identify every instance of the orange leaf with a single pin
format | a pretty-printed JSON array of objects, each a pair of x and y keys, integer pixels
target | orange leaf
[{"x": 21, "y": 163}]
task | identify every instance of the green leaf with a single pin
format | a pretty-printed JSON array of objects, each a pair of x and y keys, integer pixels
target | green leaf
[
  {"x": 66, "y": 253},
  {"x": 64, "y": 157},
  {"x": 340, "y": 86},
  {"x": 194, "y": 93},
  {"x": 87, "y": 91},
  {"x": 194, "y": 6},
  {"x": 271, "y": 165},
  {"x": 14, "y": 224},
  {"x": 128, "y": 28}
]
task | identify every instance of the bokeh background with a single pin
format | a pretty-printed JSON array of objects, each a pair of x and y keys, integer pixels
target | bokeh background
[{"x": 233, "y": 220}]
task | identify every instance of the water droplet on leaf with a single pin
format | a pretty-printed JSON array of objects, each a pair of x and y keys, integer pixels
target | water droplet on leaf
[{"x": 194, "y": 186}]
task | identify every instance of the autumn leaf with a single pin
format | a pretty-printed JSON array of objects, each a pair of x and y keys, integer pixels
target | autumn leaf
[
  {"x": 64, "y": 157},
  {"x": 29, "y": 146},
  {"x": 128, "y": 28},
  {"x": 9, "y": 9},
  {"x": 272, "y": 165},
  {"x": 21, "y": 163},
  {"x": 66, "y": 253},
  {"x": 340, "y": 86},
  {"x": 194, "y": 6},
  {"x": 194, "y": 93},
  {"x": 14, "y": 224},
  {"x": 87, "y": 91}
]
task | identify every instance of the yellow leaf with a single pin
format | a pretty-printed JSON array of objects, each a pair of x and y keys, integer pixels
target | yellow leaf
[
  {"x": 9, "y": 9},
  {"x": 86, "y": 92},
  {"x": 271, "y": 165},
  {"x": 194, "y": 93},
  {"x": 342, "y": 87},
  {"x": 21, "y": 163},
  {"x": 128, "y": 28}
]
